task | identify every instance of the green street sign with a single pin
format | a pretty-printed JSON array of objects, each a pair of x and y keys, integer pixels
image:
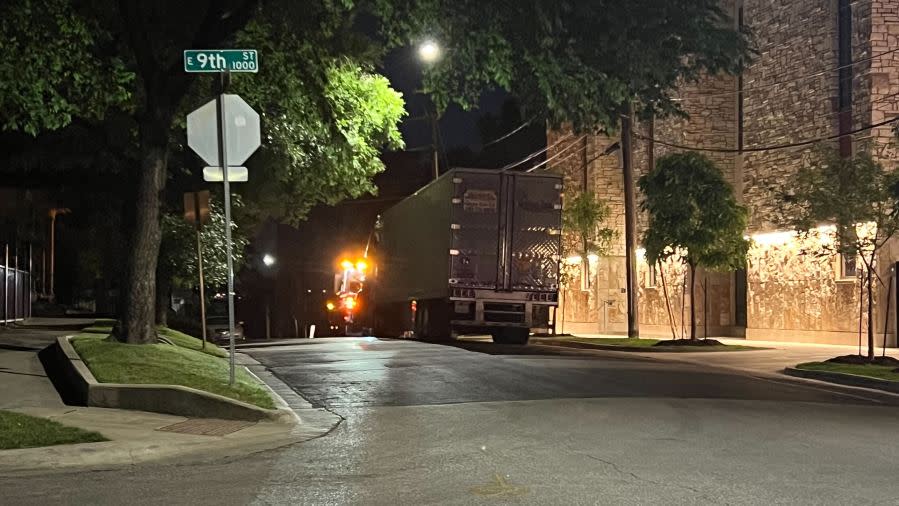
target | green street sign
[{"x": 220, "y": 60}]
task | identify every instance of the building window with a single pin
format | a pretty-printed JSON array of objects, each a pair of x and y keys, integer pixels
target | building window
[
  {"x": 848, "y": 266},
  {"x": 652, "y": 277}
]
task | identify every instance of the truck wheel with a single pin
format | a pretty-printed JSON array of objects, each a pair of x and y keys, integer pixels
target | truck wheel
[
  {"x": 432, "y": 322},
  {"x": 511, "y": 335}
]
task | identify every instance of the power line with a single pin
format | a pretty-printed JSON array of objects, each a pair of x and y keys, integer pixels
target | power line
[
  {"x": 536, "y": 153},
  {"x": 691, "y": 96},
  {"x": 611, "y": 148},
  {"x": 511, "y": 132},
  {"x": 546, "y": 162},
  {"x": 566, "y": 148},
  {"x": 768, "y": 148}
]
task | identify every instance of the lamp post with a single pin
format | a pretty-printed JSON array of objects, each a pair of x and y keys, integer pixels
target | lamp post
[
  {"x": 54, "y": 212},
  {"x": 268, "y": 260},
  {"x": 429, "y": 53}
]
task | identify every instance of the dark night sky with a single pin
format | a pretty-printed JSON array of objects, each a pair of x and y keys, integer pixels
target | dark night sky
[{"x": 457, "y": 127}]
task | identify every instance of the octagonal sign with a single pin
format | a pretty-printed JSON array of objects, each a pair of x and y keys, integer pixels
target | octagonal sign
[{"x": 242, "y": 134}]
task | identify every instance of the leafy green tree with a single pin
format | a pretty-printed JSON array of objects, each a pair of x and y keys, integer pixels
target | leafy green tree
[
  {"x": 572, "y": 61},
  {"x": 583, "y": 218},
  {"x": 692, "y": 212},
  {"x": 326, "y": 112},
  {"x": 53, "y": 70},
  {"x": 856, "y": 195},
  {"x": 178, "y": 267}
]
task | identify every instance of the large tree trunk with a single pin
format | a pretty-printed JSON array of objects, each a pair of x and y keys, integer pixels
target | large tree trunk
[
  {"x": 692, "y": 301},
  {"x": 136, "y": 324}
]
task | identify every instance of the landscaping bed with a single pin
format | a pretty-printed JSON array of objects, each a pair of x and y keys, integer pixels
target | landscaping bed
[
  {"x": 166, "y": 364},
  {"x": 24, "y": 431},
  {"x": 884, "y": 369},
  {"x": 650, "y": 345},
  {"x": 104, "y": 328}
]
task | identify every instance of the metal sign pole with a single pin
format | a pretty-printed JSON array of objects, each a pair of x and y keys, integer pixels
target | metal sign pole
[
  {"x": 223, "y": 163},
  {"x": 199, "y": 228}
]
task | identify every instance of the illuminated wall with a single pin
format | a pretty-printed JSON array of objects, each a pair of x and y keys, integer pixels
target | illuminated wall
[
  {"x": 794, "y": 293},
  {"x": 786, "y": 98},
  {"x": 602, "y": 306}
]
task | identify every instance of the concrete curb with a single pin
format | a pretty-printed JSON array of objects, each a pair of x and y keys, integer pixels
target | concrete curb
[
  {"x": 845, "y": 379},
  {"x": 169, "y": 399},
  {"x": 640, "y": 349}
]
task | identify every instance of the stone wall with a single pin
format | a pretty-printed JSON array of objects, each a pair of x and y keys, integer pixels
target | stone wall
[
  {"x": 881, "y": 78},
  {"x": 782, "y": 103}
]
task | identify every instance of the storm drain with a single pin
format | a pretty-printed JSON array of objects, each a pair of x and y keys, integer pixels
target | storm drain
[{"x": 207, "y": 426}]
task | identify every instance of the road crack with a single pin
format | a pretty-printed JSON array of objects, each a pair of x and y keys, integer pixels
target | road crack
[{"x": 643, "y": 479}]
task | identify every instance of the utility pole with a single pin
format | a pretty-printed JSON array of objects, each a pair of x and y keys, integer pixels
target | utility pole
[
  {"x": 434, "y": 144},
  {"x": 630, "y": 223}
]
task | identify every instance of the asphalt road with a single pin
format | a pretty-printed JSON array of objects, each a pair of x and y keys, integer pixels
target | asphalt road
[{"x": 430, "y": 424}]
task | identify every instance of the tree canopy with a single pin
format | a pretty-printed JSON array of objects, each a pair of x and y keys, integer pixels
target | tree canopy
[
  {"x": 577, "y": 61},
  {"x": 178, "y": 251},
  {"x": 584, "y": 216},
  {"x": 692, "y": 208},
  {"x": 53, "y": 70},
  {"x": 326, "y": 112}
]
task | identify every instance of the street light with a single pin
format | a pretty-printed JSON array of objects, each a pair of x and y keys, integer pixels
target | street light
[
  {"x": 268, "y": 260},
  {"x": 429, "y": 51}
]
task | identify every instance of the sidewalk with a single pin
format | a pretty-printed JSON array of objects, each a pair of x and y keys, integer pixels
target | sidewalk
[
  {"x": 134, "y": 436},
  {"x": 771, "y": 360}
]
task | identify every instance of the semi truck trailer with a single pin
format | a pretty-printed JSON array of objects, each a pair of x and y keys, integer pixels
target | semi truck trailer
[{"x": 473, "y": 252}]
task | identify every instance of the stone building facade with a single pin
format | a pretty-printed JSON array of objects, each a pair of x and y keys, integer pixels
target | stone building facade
[{"x": 823, "y": 68}]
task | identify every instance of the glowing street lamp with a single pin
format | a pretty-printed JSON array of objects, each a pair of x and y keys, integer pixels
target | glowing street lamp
[
  {"x": 429, "y": 51},
  {"x": 269, "y": 261}
]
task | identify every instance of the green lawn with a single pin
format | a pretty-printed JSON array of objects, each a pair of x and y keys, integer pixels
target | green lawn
[
  {"x": 104, "y": 328},
  {"x": 873, "y": 371},
  {"x": 626, "y": 342},
  {"x": 192, "y": 343},
  {"x": 114, "y": 362},
  {"x": 24, "y": 431}
]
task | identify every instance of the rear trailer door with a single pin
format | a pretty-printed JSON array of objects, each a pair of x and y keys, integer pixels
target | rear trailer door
[
  {"x": 475, "y": 230},
  {"x": 535, "y": 223}
]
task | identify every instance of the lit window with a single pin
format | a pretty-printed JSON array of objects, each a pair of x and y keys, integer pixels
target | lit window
[{"x": 848, "y": 266}]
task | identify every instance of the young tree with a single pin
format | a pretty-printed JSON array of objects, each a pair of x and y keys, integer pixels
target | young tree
[
  {"x": 583, "y": 218},
  {"x": 691, "y": 209},
  {"x": 859, "y": 197},
  {"x": 178, "y": 268},
  {"x": 316, "y": 91}
]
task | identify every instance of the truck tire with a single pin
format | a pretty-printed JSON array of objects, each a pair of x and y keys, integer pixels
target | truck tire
[
  {"x": 432, "y": 321},
  {"x": 511, "y": 335}
]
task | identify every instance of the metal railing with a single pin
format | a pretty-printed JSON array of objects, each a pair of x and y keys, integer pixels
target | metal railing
[{"x": 15, "y": 288}]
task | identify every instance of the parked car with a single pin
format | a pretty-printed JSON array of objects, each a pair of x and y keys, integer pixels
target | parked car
[{"x": 217, "y": 329}]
